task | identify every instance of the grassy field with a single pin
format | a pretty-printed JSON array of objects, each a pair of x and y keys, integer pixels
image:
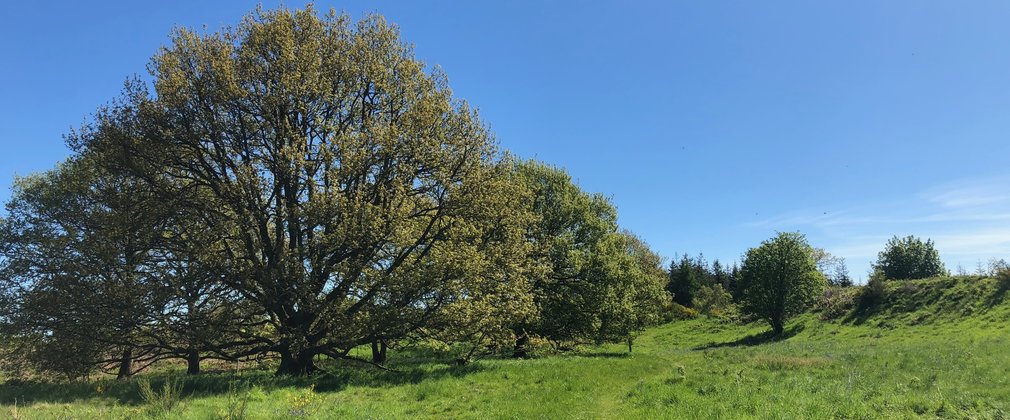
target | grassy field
[{"x": 933, "y": 348}]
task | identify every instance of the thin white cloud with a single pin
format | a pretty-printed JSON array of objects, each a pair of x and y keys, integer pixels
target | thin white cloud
[
  {"x": 860, "y": 248},
  {"x": 985, "y": 242},
  {"x": 970, "y": 193},
  {"x": 967, "y": 219}
]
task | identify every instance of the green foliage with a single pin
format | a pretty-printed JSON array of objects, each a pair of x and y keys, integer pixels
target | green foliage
[
  {"x": 837, "y": 302},
  {"x": 690, "y": 274},
  {"x": 683, "y": 281},
  {"x": 874, "y": 292},
  {"x": 236, "y": 406},
  {"x": 329, "y": 179},
  {"x": 638, "y": 299},
  {"x": 678, "y": 311},
  {"x": 92, "y": 270},
  {"x": 299, "y": 185},
  {"x": 598, "y": 284},
  {"x": 75, "y": 249},
  {"x": 833, "y": 268},
  {"x": 780, "y": 279},
  {"x": 712, "y": 300},
  {"x": 909, "y": 258},
  {"x": 1002, "y": 274}
]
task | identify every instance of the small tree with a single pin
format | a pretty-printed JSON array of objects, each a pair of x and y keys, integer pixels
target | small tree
[
  {"x": 840, "y": 277},
  {"x": 780, "y": 279},
  {"x": 909, "y": 258},
  {"x": 643, "y": 293}
]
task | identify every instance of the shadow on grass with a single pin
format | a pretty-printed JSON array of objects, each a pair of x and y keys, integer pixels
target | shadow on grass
[
  {"x": 756, "y": 339},
  {"x": 338, "y": 375},
  {"x": 865, "y": 308}
]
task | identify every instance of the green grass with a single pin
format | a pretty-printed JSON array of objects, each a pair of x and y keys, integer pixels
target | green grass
[{"x": 933, "y": 348}]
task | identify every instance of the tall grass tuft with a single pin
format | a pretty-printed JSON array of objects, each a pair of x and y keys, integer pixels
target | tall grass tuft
[
  {"x": 14, "y": 412},
  {"x": 237, "y": 402},
  {"x": 163, "y": 401}
]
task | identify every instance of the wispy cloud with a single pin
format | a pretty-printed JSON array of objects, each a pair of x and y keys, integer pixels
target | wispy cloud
[
  {"x": 966, "y": 218},
  {"x": 974, "y": 243},
  {"x": 972, "y": 193}
]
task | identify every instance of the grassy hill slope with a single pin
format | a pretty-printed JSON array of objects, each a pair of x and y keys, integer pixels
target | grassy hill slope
[{"x": 934, "y": 348}]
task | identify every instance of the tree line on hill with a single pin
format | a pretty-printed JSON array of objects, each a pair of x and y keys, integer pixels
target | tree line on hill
[
  {"x": 784, "y": 276},
  {"x": 694, "y": 282},
  {"x": 300, "y": 186}
]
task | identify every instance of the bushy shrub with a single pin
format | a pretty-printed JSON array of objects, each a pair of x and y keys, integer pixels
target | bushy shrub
[
  {"x": 836, "y": 302},
  {"x": 712, "y": 300},
  {"x": 909, "y": 258},
  {"x": 164, "y": 401},
  {"x": 874, "y": 292},
  {"x": 1002, "y": 274},
  {"x": 678, "y": 311}
]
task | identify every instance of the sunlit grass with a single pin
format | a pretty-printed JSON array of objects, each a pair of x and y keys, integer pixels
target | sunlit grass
[{"x": 938, "y": 349}]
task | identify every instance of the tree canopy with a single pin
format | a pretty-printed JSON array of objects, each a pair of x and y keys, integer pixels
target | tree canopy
[
  {"x": 779, "y": 279},
  {"x": 596, "y": 283},
  {"x": 301, "y": 185},
  {"x": 909, "y": 258}
]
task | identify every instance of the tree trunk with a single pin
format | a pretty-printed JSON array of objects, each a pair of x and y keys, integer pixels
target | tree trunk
[
  {"x": 777, "y": 327},
  {"x": 296, "y": 364},
  {"x": 126, "y": 364},
  {"x": 522, "y": 342},
  {"x": 379, "y": 351},
  {"x": 193, "y": 362},
  {"x": 629, "y": 344}
]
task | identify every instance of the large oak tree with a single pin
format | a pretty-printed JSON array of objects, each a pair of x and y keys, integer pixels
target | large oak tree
[{"x": 348, "y": 195}]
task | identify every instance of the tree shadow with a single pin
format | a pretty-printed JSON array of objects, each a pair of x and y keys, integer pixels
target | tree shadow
[
  {"x": 336, "y": 376},
  {"x": 756, "y": 339},
  {"x": 863, "y": 312}
]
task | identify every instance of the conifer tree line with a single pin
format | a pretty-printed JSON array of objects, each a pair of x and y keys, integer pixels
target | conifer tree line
[
  {"x": 300, "y": 186},
  {"x": 693, "y": 281}
]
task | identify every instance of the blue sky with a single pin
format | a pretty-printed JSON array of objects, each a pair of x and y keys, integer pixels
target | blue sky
[{"x": 711, "y": 124}]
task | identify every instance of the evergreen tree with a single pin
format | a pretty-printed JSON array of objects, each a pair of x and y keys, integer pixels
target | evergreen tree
[{"x": 683, "y": 281}]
